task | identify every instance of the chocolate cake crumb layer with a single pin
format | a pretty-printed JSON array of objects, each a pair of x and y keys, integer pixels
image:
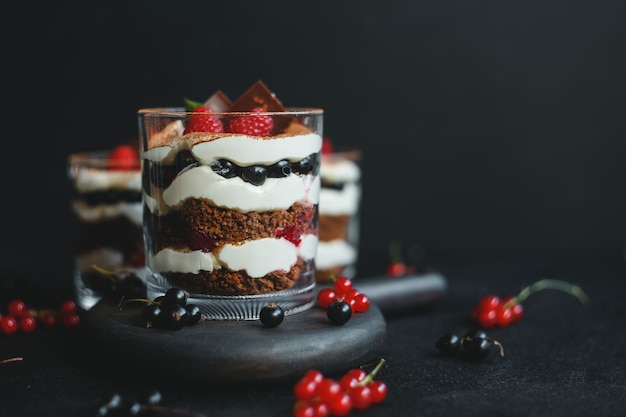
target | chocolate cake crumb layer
[
  {"x": 223, "y": 226},
  {"x": 328, "y": 275},
  {"x": 333, "y": 227},
  {"x": 225, "y": 282}
]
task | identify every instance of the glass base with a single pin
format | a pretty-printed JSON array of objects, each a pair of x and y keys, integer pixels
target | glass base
[
  {"x": 87, "y": 294},
  {"x": 243, "y": 307}
]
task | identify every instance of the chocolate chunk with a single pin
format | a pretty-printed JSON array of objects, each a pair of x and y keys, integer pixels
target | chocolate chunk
[
  {"x": 218, "y": 102},
  {"x": 257, "y": 96},
  {"x": 260, "y": 96}
]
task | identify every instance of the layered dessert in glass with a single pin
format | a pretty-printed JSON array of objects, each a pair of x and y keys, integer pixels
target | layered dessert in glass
[
  {"x": 231, "y": 202},
  {"x": 340, "y": 197}
]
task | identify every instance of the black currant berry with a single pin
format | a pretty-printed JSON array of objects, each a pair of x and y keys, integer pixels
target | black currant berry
[
  {"x": 175, "y": 296},
  {"x": 339, "y": 312},
  {"x": 254, "y": 174},
  {"x": 195, "y": 314},
  {"x": 152, "y": 315},
  {"x": 271, "y": 315},
  {"x": 476, "y": 348},
  {"x": 449, "y": 344},
  {"x": 131, "y": 287},
  {"x": 175, "y": 317}
]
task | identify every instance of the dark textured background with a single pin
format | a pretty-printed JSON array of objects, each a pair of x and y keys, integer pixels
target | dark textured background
[
  {"x": 485, "y": 125},
  {"x": 494, "y": 140}
]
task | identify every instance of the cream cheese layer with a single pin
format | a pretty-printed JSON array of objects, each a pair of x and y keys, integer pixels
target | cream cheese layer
[
  {"x": 334, "y": 253},
  {"x": 256, "y": 257}
]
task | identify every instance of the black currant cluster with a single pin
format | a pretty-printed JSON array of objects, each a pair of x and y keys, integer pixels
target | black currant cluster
[
  {"x": 115, "y": 285},
  {"x": 474, "y": 345},
  {"x": 271, "y": 315},
  {"x": 163, "y": 175},
  {"x": 122, "y": 406},
  {"x": 149, "y": 405},
  {"x": 171, "y": 311}
]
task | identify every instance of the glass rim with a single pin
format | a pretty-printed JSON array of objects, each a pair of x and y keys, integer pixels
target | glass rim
[
  {"x": 181, "y": 111},
  {"x": 98, "y": 159}
]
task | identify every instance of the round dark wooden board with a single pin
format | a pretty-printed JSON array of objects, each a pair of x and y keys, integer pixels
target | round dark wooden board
[{"x": 238, "y": 351}]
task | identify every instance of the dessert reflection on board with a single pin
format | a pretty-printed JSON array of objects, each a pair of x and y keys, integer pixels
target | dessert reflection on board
[{"x": 231, "y": 192}]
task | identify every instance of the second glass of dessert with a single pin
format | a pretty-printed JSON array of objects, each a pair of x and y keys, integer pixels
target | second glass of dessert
[
  {"x": 339, "y": 222},
  {"x": 106, "y": 199},
  {"x": 231, "y": 196}
]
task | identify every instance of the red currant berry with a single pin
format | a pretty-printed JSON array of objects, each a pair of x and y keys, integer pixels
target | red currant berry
[
  {"x": 517, "y": 310},
  {"x": 327, "y": 390},
  {"x": 71, "y": 322},
  {"x": 358, "y": 373},
  {"x": 303, "y": 409},
  {"x": 342, "y": 285},
  {"x": 361, "y": 303},
  {"x": 8, "y": 325},
  {"x": 304, "y": 390},
  {"x": 325, "y": 297},
  {"x": 379, "y": 391},
  {"x": 396, "y": 269},
  {"x": 315, "y": 375},
  {"x": 487, "y": 318},
  {"x": 489, "y": 302},
  {"x": 16, "y": 308},
  {"x": 504, "y": 316},
  {"x": 48, "y": 320},
  {"x": 27, "y": 324},
  {"x": 361, "y": 397},
  {"x": 320, "y": 409},
  {"x": 68, "y": 307},
  {"x": 340, "y": 405}
]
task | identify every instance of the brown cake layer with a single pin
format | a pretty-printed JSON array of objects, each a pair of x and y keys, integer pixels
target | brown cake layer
[
  {"x": 333, "y": 227},
  {"x": 225, "y": 282},
  {"x": 328, "y": 275},
  {"x": 223, "y": 226}
]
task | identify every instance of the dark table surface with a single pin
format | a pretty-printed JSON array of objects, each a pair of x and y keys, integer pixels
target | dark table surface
[{"x": 562, "y": 359}]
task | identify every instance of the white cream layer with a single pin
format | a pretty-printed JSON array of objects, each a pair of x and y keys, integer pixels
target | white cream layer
[
  {"x": 338, "y": 171},
  {"x": 257, "y": 258},
  {"x": 105, "y": 258},
  {"x": 88, "y": 179},
  {"x": 234, "y": 193},
  {"x": 334, "y": 253},
  {"x": 94, "y": 180},
  {"x": 335, "y": 202}
]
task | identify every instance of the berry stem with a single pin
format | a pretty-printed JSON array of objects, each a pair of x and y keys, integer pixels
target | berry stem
[
  {"x": 545, "y": 284},
  {"x": 498, "y": 344},
  {"x": 395, "y": 252},
  {"x": 370, "y": 376}
]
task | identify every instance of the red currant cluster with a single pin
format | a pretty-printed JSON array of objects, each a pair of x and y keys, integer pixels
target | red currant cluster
[
  {"x": 492, "y": 310},
  {"x": 339, "y": 297},
  {"x": 320, "y": 396},
  {"x": 20, "y": 317}
]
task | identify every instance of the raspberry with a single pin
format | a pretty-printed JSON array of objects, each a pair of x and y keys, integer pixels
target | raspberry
[
  {"x": 123, "y": 158},
  {"x": 252, "y": 125},
  {"x": 327, "y": 146},
  {"x": 201, "y": 121}
]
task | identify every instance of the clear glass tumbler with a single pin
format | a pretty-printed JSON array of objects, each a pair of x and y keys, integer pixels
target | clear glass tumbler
[
  {"x": 231, "y": 207},
  {"x": 340, "y": 198},
  {"x": 107, "y": 200}
]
